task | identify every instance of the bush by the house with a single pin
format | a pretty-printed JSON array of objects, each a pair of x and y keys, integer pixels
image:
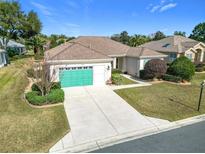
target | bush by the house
[
  {"x": 116, "y": 78},
  {"x": 182, "y": 67},
  {"x": 171, "y": 78},
  {"x": 114, "y": 71},
  {"x": 142, "y": 74},
  {"x": 34, "y": 98},
  {"x": 55, "y": 96},
  {"x": 155, "y": 68},
  {"x": 200, "y": 67},
  {"x": 55, "y": 85}
]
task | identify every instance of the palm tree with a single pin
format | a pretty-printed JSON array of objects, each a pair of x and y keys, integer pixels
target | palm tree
[{"x": 37, "y": 43}]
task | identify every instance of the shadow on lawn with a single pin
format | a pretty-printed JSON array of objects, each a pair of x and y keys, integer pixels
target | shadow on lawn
[{"x": 176, "y": 100}]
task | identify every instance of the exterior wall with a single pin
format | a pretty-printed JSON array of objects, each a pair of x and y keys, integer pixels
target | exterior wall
[
  {"x": 132, "y": 65},
  {"x": 101, "y": 72}
]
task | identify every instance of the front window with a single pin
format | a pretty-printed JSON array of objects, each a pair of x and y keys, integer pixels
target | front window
[{"x": 189, "y": 55}]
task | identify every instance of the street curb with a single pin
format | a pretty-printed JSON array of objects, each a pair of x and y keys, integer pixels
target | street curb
[{"x": 99, "y": 144}]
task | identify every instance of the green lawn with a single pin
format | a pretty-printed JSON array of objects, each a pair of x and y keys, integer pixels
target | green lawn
[
  {"x": 22, "y": 128},
  {"x": 166, "y": 101}
]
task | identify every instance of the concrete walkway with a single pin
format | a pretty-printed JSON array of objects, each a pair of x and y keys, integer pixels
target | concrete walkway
[
  {"x": 98, "y": 114},
  {"x": 138, "y": 83}
]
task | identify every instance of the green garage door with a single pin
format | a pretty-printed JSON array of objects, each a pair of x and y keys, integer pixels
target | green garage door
[{"x": 76, "y": 77}]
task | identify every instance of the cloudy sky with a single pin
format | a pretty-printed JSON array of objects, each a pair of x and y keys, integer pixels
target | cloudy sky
[{"x": 107, "y": 17}]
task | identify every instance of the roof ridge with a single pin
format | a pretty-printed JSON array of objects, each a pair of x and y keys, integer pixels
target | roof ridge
[
  {"x": 91, "y": 49},
  {"x": 62, "y": 50}
]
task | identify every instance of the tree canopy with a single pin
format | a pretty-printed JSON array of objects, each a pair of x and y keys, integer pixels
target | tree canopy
[
  {"x": 14, "y": 23},
  {"x": 158, "y": 36},
  {"x": 180, "y": 33},
  {"x": 198, "y": 32}
]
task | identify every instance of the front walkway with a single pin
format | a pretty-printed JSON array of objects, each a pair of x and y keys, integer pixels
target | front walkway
[{"x": 96, "y": 114}]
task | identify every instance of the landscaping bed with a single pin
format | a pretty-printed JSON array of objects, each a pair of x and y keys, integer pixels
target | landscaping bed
[
  {"x": 35, "y": 97},
  {"x": 23, "y": 128},
  {"x": 118, "y": 79},
  {"x": 166, "y": 101}
]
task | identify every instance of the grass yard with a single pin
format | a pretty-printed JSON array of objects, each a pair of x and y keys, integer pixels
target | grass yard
[
  {"x": 22, "y": 128},
  {"x": 166, "y": 101},
  {"x": 118, "y": 79}
]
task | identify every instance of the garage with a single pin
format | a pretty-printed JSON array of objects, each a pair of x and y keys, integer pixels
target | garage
[{"x": 76, "y": 76}]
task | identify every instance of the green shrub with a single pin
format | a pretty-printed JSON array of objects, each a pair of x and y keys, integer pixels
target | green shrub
[
  {"x": 171, "y": 78},
  {"x": 116, "y": 79},
  {"x": 142, "y": 74},
  {"x": 34, "y": 87},
  {"x": 30, "y": 73},
  {"x": 199, "y": 69},
  {"x": 155, "y": 68},
  {"x": 56, "y": 85},
  {"x": 34, "y": 98},
  {"x": 182, "y": 67},
  {"x": 56, "y": 96},
  {"x": 114, "y": 71}
]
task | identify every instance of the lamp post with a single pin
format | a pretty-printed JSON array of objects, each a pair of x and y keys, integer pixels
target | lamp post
[{"x": 202, "y": 87}]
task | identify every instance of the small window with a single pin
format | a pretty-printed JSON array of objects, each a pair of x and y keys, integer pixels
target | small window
[
  {"x": 166, "y": 45},
  {"x": 189, "y": 55}
]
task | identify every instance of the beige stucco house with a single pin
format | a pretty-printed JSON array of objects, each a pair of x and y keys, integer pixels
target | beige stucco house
[
  {"x": 89, "y": 60},
  {"x": 175, "y": 46}
]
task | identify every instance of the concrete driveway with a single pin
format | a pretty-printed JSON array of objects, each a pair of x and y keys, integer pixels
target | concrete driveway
[{"x": 96, "y": 113}]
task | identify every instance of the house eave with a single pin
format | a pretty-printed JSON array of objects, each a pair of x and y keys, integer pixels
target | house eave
[{"x": 81, "y": 61}]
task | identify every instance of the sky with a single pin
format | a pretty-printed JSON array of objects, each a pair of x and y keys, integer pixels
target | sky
[{"x": 108, "y": 17}]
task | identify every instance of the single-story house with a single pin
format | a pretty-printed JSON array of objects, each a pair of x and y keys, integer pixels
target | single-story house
[
  {"x": 175, "y": 46},
  {"x": 18, "y": 48},
  {"x": 89, "y": 60},
  {"x": 3, "y": 58}
]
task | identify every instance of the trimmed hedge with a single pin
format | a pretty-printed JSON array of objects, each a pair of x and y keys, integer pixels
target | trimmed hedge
[
  {"x": 172, "y": 78},
  {"x": 142, "y": 74},
  {"x": 116, "y": 78},
  {"x": 199, "y": 69},
  {"x": 56, "y": 85},
  {"x": 55, "y": 96},
  {"x": 182, "y": 67},
  {"x": 114, "y": 71},
  {"x": 34, "y": 98}
]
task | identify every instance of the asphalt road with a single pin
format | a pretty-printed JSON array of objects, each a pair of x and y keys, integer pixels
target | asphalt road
[{"x": 188, "y": 139}]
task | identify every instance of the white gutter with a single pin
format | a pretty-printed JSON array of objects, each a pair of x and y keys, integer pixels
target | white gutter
[{"x": 80, "y": 61}]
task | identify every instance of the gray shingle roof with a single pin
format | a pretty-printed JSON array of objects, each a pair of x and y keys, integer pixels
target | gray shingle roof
[
  {"x": 143, "y": 52},
  {"x": 176, "y": 44},
  {"x": 104, "y": 45},
  {"x": 92, "y": 47},
  {"x": 73, "y": 51}
]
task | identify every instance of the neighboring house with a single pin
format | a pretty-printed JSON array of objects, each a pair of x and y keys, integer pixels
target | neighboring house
[
  {"x": 89, "y": 60},
  {"x": 3, "y": 58},
  {"x": 175, "y": 46},
  {"x": 18, "y": 48}
]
